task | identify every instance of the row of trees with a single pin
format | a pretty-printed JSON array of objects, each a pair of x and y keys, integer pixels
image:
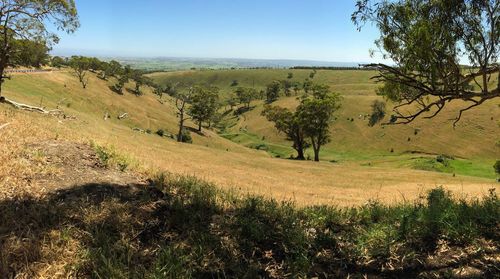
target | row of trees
[
  {"x": 24, "y": 34},
  {"x": 82, "y": 65},
  {"x": 309, "y": 124}
]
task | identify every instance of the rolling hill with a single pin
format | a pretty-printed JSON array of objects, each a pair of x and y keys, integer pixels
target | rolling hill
[
  {"x": 408, "y": 146},
  {"x": 363, "y": 169}
]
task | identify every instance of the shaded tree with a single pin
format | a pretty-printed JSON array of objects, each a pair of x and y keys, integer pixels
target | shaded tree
[
  {"x": 80, "y": 66},
  {"x": 138, "y": 78},
  {"x": 58, "y": 62},
  {"x": 30, "y": 20},
  {"x": 120, "y": 84},
  {"x": 426, "y": 41},
  {"x": 181, "y": 101},
  {"x": 287, "y": 122},
  {"x": 204, "y": 104},
  {"x": 113, "y": 69},
  {"x": 30, "y": 53},
  {"x": 273, "y": 91},
  {"x": 315, "y": 115},
  {"x": 246, "y": 95}
]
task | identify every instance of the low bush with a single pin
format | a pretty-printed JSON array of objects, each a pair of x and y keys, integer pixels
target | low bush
[
  {"x": 186, "y": 136},
  {"x": 183, "y": 227}
]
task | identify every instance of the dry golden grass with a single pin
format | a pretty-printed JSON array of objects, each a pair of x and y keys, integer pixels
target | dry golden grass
[{"x": 212, "y": 158}]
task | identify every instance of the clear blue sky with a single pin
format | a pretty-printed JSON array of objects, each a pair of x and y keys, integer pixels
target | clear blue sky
[{"x": 267, "y": 29}]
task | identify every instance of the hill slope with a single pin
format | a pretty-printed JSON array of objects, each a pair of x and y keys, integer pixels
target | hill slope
[
  {"x": 352, "y": 139},
  {"x": 211, "y": 157}
]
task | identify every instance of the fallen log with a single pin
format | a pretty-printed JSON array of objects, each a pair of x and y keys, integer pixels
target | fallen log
[
  {"x": 122, "y": 116},
  {"x": 30, "y": 108},
  {"x": 4, "y": 125}
]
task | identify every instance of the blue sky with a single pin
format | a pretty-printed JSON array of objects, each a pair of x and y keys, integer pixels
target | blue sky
[{"x": 257, "y": 29}]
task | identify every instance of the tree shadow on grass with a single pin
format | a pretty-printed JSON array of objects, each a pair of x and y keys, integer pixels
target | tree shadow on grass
[{"x": 178, "y": 230}]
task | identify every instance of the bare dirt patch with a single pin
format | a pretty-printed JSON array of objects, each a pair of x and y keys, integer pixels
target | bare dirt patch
[{"x": 68, "y": 164}]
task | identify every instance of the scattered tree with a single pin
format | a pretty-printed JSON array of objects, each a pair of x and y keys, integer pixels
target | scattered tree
[
  {"x": 288, "y": 123},
  {"x": 290, "y": 75},
  {"x": 296, "y": 87},
  {"x": 273, "y": 91},
  {"x": 80, "y": 66},
  {"x": 180, "y": 103},
  {"x": 307, "y": 85},
  {"x": 204, "y": 104},
  {"x": 426, "y": 41},
  {"x": 315, "y": 114},
  {"x": 286, "y": 85},
  {"x": 139, "y": 81},
  {"x": 246, "y": 95},
  {"x": 58, "y": 62},
  {"x": 120, "y": 84}
]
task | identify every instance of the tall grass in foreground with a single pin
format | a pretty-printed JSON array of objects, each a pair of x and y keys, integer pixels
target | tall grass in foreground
[{"x": 181, "y": 227}]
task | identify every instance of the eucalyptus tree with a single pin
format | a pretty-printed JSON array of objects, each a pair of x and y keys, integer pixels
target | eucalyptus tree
[
  {"x": 80, "y": 66},
  {"x": 287, "y": 122},
  {"x": 316, "y": 114},
  {"x": 204, "y": 104},
  {"x": 427, "y": 41},
  {"x": 32, "y": 20}
]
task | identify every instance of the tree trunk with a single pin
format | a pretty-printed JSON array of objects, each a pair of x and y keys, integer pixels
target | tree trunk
[
  {"x": 199, "y": 126},
  {"x": 316, "y": 148},
  {"x": 181, "y": 126},
  {"x": 300, "y": 154},
  {"x": 2, "y": 78}
]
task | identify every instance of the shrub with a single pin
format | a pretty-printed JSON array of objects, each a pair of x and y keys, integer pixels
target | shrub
[
  {"x": 496, "y": 166},
  {"x": 110, "y": 158},
  {"x": 378, "y": 113},
  {"x": 160, "y": 132},
  {"x": 186, "y": 136}
]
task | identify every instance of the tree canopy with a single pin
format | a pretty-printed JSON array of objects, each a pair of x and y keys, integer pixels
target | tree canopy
[
  {"x": 204, "y": 104},
  {"x": 30, "y": 20},
  {"x": 316, "y": 114},
  {"x": 427, "y": 40}
]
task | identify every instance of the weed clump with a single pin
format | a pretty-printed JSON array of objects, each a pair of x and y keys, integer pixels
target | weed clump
[{"x": 108, "y": 157}]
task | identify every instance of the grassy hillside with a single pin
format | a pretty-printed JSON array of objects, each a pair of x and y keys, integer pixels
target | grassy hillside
[
  {"x": 212, "y": 157},
  {"x": 412, "y": 146}
]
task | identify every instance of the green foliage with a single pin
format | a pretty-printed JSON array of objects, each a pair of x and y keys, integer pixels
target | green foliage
[
  {"x": 110, "y": 158},
  {"x": 378, "y": 113},
  {"x": 81, "y": 65},
  {"x": 307, "y": 85},
  {"x": 246, "y": 95},
  {"x": 186, "y": 136},
  {"x": 273, "y": 91},
  {"x": 496, "y": 167},
  {"x": 160, "y": 132},
  {"x": 288, "y": 123},
  {"x": 286, "y": 85},
  {"x": 204, "y": 104},
  {"x": 427, "y": 40},
  {"x": 33, "y": 21},
  {"x": 30, "y": 53},
  {"x": 315, "y": 115}
]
